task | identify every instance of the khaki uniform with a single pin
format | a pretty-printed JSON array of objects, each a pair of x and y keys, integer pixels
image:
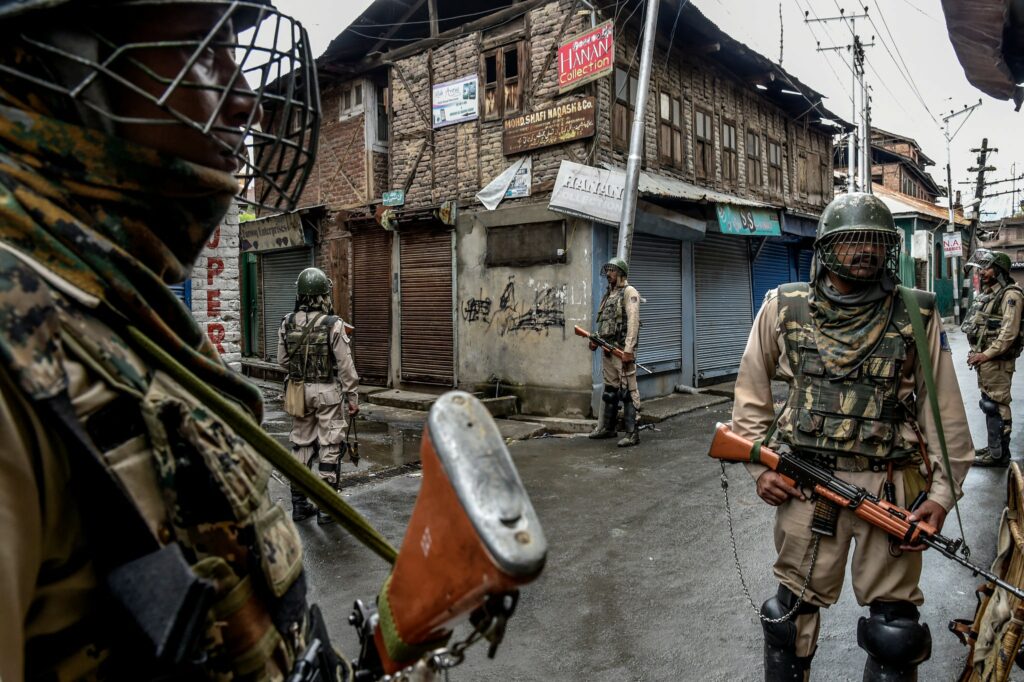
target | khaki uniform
[
  {"x": 323, "y": 426},
  {"x": 996, "y": 375},
  {"x": 876, "y": 574},
  {"x": 615, "y": 372}
]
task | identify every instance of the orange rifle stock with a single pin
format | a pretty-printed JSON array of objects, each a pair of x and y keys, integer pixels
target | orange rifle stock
[
  {"x": 614, "y": 350},
  {"x": 891, "y": 518}
]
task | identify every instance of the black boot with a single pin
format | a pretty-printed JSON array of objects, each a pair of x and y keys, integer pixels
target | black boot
[
  {"x": 993, "y": 455},
  {"x": 609, "y": 415},
  {"x": 302, "y": 508},
  {"x": 632, "y": 425},
  {"x": 323, "y": 519},
  {"x": 781, "y": 664}
]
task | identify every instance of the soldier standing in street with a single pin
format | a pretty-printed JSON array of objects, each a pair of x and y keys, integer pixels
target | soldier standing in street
[
  {"x": 139, "y": 539},
  {"x": 313, "y": 346},
  {"x": 618, "y": 322},
  {"x": 858, "y": 406},
  {"x": 992, "y": 326}
]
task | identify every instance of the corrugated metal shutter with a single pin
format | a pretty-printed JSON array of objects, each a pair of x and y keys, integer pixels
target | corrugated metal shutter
[
  {"x": 770, "y": 270},
  {"x": 280, "y": 270},
  {"x": 805, "y": 264},
  {"x": 428, "y": 342},
  {"x": 724, "y": 315},
  {"x": 371, "y": 303},
  {"x": 183, "y": 291},
  {"x": 656, "y": 271}
]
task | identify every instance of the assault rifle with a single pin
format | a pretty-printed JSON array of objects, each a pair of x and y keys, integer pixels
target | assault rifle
[
  {"x": 614, "y": 350},
  {"x": 893, "y": 519}
]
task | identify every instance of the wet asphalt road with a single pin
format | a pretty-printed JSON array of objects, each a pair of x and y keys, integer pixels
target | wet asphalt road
[{"x": 640, "y": 582}]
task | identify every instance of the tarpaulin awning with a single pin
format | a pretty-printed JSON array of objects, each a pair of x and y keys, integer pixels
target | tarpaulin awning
[{"x": 989, "y": 41}]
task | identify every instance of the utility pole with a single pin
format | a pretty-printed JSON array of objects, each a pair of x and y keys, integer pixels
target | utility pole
[
  {"x": 636, "y": 137},
  {"x": 979, "y": 191},
  {"x": 958, "y": 291},
  {"x": 858, "y": 174}
]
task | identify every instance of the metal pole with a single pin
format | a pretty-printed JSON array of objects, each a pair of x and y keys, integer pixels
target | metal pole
[
  {"x": 865, "y": 142},
  {"x": 851, "y": 144},
  {"x": 636, "y": 137},
  {"x": 950, "y": 228}
]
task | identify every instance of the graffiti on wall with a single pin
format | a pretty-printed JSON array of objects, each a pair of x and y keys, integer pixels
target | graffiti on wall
[{"x": 513, "y": 315}]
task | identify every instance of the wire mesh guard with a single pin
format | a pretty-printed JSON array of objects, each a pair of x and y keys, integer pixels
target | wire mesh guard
[
  {"x": 860, "y": 255},
  {"x": 267, "y": 108}
]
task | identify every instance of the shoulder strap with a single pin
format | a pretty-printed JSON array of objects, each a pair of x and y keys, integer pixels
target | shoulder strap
[{"x": 911, "y": 301}]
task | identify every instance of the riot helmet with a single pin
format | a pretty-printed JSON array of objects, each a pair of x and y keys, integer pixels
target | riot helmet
[
  {"x": 227, "y": 85},
  {"x": 313, "y": 290},
  {"x": 857, "y": 239},
  {"x": 987, "y": 258},
  {"x": 617, "y": 263}
]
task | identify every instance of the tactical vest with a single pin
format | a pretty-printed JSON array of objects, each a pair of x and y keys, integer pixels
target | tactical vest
[
  {"x": 611, "y": 317},
  {"x": 196, "y": 484},
  {"x": 308, "y": 348},
  {"x": 859, "y": 415},
  {"x": 984, "y": 319}
]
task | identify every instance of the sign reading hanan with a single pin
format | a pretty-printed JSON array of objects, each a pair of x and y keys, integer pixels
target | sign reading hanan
[
  {"x": 586, "y": 56},
  {"x": 563, "y": 122}
]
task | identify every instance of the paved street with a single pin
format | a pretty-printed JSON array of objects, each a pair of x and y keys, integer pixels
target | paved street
[{"x": 640, "y": 582}]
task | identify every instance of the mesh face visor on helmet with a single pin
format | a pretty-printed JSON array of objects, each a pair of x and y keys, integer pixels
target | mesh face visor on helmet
[
  {"x": 274, "y": 70},
  {"x": 981, "y": 259},
  {"x": 860, "y": 255}
]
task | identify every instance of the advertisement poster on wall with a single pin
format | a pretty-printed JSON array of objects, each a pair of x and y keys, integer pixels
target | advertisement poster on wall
[
  {"x": 455, "y": 101},
  {"x": 586, "y": 56}
]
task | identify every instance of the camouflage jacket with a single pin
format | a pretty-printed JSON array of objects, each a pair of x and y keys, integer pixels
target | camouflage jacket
[
  {"x": 193, "y": 481},
  {"x": 618, "y": 317}
]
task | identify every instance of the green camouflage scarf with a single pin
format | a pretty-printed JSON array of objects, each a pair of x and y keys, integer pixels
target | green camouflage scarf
[
  {"x": 847, "y": 328},
  {"x": 116, "y": 221}
]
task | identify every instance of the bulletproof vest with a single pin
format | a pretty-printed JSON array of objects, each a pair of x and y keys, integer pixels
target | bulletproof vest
[
  {"x": 857, "y": 415},
  {"x": 308, "y": 347},
  {"x": 611, "y": 318},
  {"x": 205, "y": 488},
  {"x": 984, "y": 319}
]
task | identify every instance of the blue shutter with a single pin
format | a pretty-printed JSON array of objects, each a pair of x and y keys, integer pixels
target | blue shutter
[
  {"x": 184, "y": 292},
  {"x": 805, "y": 264},
  {"x": 770, "y": 270}
]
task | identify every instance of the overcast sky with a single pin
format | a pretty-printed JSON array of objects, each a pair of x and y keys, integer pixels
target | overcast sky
[{"x": 918, "y": 39}]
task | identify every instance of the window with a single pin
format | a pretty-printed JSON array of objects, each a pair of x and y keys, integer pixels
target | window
[
  {"x": 753, "y": 159},
  {"x": 703, "y": 144},
  {"x": 730, "y": 164},
  {"x": 351, "y": 100},
  {"x": 503, "y": 84},
  {"x": 774, "y": 166},
  {"x": 381, "y": 133},
  {"x": 527, "y": 244},
  {"x": 622, "y": 110},
  {"x": 670, "y": 129}
]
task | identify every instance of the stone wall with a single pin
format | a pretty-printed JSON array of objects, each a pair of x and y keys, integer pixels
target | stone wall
[{"x": 216, "y": 291}]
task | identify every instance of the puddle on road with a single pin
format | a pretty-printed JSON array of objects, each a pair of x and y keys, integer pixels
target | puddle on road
[{"x": 383, "y": 444}]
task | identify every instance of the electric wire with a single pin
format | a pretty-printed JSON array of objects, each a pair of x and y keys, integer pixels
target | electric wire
[
  {"x": 905, "y": 71},
  {"x": 828, "y": 62},
  {"x": 671, "y": 39}
]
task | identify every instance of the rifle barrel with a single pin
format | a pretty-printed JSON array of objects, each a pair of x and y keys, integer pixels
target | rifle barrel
[{"x": 977, "y": 570}]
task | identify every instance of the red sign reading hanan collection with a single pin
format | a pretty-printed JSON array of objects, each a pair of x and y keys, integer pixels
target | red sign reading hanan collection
[{"x": 586, "y": 56}]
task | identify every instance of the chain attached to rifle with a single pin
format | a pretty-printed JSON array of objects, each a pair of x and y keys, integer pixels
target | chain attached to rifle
[{"x": 739, "y": 569}]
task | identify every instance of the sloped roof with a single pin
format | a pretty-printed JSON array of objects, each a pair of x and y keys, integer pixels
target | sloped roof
[{"x": 901, "y": 205}]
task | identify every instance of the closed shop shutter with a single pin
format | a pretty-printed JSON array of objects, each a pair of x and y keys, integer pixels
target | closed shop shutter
[
  {"x": 805, "y": 264},
  {"x": 770, "y": 270},
  {"x": 723, "y": 293},
  {"x": 428, "y": 340},
  {"x": 371, "y": 303},
  {"x": 280, "y": 270},
  {"x": 656, "y": 272},
  {"x": 184, "y": 292}
]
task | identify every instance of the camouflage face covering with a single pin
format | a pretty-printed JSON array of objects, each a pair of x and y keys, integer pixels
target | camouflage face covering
[
  {"x": 847, "y": 331},
  {"x": 115, "y": 220}
]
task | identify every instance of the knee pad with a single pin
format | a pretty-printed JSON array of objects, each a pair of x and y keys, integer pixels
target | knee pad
[
  {"x": 988, "y": 406},
  {"x": 783, "y": 635},
  {"x": 610, "y": 395},
  {"x": 893, "y": 636}
]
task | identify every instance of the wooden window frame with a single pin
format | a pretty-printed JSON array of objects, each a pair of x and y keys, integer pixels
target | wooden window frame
[
  {"x": 753, "y": 159},
  {"x": 625, "y": 101},
  {"x": 502, "y": 80},
  {"x": 775, "y": 184},
  {"x": 730, "y": 155},
  {"x": 670, "y": 152},
  {"x": 354, "y": 92},
  {"x": 704, "y": 163}
]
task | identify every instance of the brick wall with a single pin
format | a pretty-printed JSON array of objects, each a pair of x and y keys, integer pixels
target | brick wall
[{"x": 216, "y": 291}]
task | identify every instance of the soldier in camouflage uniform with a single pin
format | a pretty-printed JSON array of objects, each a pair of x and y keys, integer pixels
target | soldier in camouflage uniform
[
  {"x": 618, "y": 322},
  {"x": 313, "y": 345},
  {"x": 992, "y": 326},
  {"x": 139, "y": 540},
  {"x": 858, "y": 406}
]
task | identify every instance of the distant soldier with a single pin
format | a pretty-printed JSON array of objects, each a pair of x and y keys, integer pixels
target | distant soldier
[
  {"x": 314, "y": 347},
  {"x": 618, "y": 322},
  {"x": 992, "y": 326}
]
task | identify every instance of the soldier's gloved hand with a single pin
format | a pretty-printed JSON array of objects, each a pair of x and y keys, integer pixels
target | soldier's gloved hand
[
  {"x": 976, "y": 359},
  {"x": 627, "y": 356},
  {"x": 353, "y": 406},
  {"x": 773, "y": 489},
  {"x": 929, "y": 512}
]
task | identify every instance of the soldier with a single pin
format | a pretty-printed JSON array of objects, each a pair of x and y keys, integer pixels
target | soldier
[
  {"x": 618, "y": 322},
  {"x": 993, "y": 329},
  {"x": 139, "y": 540},
  {"x": 858, "y": 406},
  {"x": 313, "y": 346}
]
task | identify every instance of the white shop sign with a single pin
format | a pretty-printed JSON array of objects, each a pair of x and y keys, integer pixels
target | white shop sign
[
  {"x": 588, "y": 192},
  {"x": 952, "y": 244}
]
